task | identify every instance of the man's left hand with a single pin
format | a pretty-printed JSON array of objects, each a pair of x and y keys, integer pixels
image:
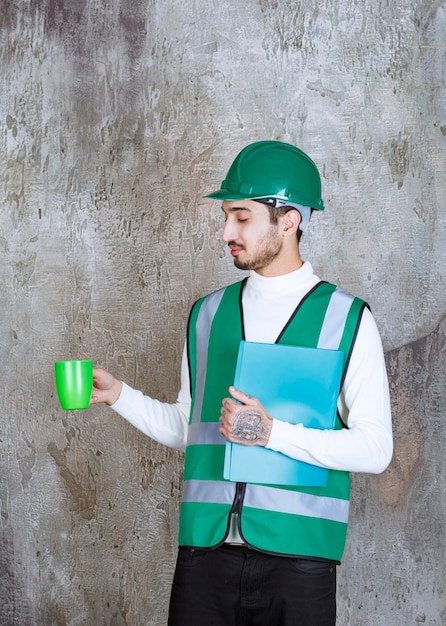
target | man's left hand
[{"x": 247, "y": 423}]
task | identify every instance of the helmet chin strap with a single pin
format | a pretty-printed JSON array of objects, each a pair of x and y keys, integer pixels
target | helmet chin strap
[{"x": 305, "y": 211}]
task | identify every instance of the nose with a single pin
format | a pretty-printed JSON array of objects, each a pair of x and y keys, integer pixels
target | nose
[{"x": 229, "y": 231}]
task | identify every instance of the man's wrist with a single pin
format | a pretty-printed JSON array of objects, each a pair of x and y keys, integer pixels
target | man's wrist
[{"x": 115, "y": 392}]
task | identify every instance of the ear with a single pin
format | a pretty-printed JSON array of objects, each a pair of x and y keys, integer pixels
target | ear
[{"x": 290, "y": 222}]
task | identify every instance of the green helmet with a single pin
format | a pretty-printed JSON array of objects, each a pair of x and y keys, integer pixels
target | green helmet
[{"x": 272, "y": 169}]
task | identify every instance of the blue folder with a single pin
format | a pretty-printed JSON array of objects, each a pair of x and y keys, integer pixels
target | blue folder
[{"x": 297, "y": 385}]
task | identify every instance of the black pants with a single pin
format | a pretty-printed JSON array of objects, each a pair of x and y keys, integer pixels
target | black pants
[{"x": 237, "y": 586}]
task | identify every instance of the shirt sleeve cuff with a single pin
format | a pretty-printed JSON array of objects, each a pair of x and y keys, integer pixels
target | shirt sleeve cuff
[{"x": 281, "y": 433}]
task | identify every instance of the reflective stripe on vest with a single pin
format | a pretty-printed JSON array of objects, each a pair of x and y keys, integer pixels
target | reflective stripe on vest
[
  {"x": 205, "y": 317},
  {"x": 334, "y": 320},
  {"x": 268, "y": 498},
  {"x": 284, "y": 520}
]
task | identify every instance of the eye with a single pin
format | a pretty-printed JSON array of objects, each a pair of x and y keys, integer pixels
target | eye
[{"x": 242, "y": 216}]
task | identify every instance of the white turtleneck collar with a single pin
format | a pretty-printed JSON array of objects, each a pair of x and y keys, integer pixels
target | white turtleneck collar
[
  {"x": 276, "y": 285},
  {"x": 269, "y": 302}
]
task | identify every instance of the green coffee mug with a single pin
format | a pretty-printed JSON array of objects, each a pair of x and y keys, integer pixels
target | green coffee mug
[{"x": 74, "y": 384}]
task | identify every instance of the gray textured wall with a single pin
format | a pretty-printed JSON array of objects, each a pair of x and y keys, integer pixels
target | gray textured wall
[{"x": 115, "y": 117}]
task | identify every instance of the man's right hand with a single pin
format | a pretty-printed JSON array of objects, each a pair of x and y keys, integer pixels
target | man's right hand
[{"x": 105, "y": 387}]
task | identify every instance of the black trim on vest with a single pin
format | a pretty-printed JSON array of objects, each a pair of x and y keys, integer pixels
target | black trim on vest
[
  {"x": 293, "y": 315},
  {"x": 240, "y": 303},
  {"x": 347, "y": 361},
  {"x": 189, "y": 363}
]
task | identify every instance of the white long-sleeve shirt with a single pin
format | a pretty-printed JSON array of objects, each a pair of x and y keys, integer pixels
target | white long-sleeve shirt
[{"x": 364, "y": 404}]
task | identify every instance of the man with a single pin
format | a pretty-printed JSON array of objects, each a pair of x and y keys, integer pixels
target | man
[{"x": 259, "y": 554}]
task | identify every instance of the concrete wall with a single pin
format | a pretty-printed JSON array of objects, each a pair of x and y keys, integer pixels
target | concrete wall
[{"x": 115, "y": 117}]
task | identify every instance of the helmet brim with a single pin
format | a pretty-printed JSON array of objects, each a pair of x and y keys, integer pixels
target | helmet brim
[{"x": 226, "y": 194}]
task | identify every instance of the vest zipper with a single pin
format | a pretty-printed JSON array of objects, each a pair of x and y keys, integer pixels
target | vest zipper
[
  {"x": 238, "y": 499},
  {"x": 237, "y": 505}
]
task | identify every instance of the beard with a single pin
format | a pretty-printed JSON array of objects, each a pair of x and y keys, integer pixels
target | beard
[{"x": 267, "y": 249}]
